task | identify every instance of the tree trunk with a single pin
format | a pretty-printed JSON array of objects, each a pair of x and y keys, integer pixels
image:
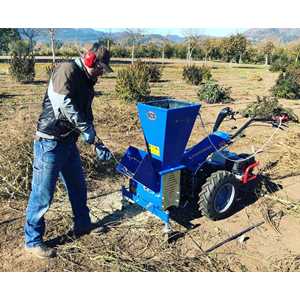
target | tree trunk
[
  {"x": 240, "y": 60},
  {"x": 52, "y": 34},
  {"x": 53, "y": 51},
  {"x": 163, "y": 55},
  {"x": 188, "y": 54},
  {"x": 266, "y": 59},
  {"x": 31, "y": 45},
  {"x": 191, "y": 53},
  {"x": 108, "y": 45},
  {"x": 132, "y": 54},
  {"x": 297, "y": 57}
]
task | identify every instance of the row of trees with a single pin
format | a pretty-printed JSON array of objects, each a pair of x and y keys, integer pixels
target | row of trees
[
  {"x": 12, "y": 38},
  {"x": 233, "y": 49},
  {"x": 236, "y": 48}
]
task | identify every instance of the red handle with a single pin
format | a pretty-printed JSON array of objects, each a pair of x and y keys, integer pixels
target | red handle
[{"x": 247, "y": 176}]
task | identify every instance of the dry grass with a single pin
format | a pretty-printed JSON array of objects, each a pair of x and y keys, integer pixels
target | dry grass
[{"x": 136, "y": 244}]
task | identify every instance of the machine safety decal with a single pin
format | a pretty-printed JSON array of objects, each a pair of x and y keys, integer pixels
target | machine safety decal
[{"x": 154, "y": 150}]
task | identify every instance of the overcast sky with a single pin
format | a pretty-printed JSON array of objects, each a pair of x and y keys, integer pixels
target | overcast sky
[{"x": 179, "y": 31}]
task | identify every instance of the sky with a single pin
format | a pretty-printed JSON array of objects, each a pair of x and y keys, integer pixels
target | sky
[{"x": 219, "y": 32}]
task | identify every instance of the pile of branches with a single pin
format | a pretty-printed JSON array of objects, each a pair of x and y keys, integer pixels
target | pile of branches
[
  {"x": 122, "y": 118},
  {"x": 15, "y": 170},
  {"x": 16, "y": 155},
  {"x": 268, "y": 107},
  {"x": 138, "y": 247}
]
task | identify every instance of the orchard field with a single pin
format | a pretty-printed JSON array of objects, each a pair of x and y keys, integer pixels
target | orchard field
[{"x": 133, "y": 240}]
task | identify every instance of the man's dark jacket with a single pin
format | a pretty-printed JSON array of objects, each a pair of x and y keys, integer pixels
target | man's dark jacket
[{"x": 67, "y": 103}]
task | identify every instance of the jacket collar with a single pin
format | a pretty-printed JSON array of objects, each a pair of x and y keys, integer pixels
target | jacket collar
[{"x": 81, "y": 66}]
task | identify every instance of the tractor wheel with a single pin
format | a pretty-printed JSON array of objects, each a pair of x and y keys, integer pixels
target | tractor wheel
[{"x": 218, "y": 194}]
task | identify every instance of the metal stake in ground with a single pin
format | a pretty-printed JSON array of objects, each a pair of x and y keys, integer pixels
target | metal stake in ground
[{"x": 235, "y": 236}]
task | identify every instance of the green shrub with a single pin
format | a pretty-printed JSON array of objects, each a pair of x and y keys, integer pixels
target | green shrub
[
  {"x": 133, "y": 83},
  {"x": 154, "y": 72},
  {"x": 288, "y": 83},
  {"x": 211, "y": 92},
  {"x": 192, "y": 74},
  {"x": 278, "y": 65},
  {"x": 267, "y": 107},
  {"x": 206, "y": 72},
  {"x": 21, "y": 65}
]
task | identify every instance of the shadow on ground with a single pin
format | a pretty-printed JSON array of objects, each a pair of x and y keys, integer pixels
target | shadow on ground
[
  {"x": 161, "y": 81},
  {"x": 255, "y": 189},
  {"x": 128, "y": 61},
  {"x": 102, "y": 226},
  {"x": 157, "y": 98},
  {"x": 249, "y": 195},
  {"x": 183, "y": 215},
  {"x": 247, "y": 67},
  {"x": 8, "y": 96},
  {"x": 98, "y": 93}
]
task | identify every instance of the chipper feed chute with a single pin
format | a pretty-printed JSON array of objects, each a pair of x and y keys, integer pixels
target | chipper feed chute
[{"x": 167, "y": 126}]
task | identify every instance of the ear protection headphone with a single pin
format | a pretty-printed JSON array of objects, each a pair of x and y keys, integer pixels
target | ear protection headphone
[{"x": 90, "y": 59}]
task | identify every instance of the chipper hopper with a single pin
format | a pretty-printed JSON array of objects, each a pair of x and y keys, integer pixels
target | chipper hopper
[{"x": 168, "y": 174}]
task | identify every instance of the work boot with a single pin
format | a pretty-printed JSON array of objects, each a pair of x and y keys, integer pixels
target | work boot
[
  {"x": 92, "y": 228},
  {"x": 83, "y": 230},
  {"x": 41, "y": 251}
]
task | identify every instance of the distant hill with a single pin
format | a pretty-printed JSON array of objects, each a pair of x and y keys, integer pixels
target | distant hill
[
  {"x": 82, "y": 35},
  {"x": 88, "y": 35},
  {"x": 284, "y": 35}
]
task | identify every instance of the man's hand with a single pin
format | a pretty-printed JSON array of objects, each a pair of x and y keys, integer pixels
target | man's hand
[
  {"x": 102, "y": 152},
  {"x": 89, "y": 135}
]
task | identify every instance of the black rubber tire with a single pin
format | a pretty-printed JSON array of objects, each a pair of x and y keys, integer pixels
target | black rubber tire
[{"x": 209, "y": 189}]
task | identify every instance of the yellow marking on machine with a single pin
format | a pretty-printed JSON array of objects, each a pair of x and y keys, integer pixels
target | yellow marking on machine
[{"x": 154, "y": 150}]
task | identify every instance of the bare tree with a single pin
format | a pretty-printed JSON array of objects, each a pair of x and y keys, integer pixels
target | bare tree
[
  {"x": 294, "y": 49},
  {"x": 52, "y": 32},
  {"x": 106, "y": 39},
  {"x": 207, "y": 47},
  {"x": 161, "y": 42},
  {"x": 30, "y": 34},
  {"x": 268, "y": 48},
  {"x": 135, "y": 36},
  {"x": 109, "y": 39},
  {"x": 192, "y": 37},
  {"x": 164, "y": 42}
]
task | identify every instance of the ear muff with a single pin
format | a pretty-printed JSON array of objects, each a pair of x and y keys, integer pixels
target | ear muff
[{"x": 90, "y": 59}]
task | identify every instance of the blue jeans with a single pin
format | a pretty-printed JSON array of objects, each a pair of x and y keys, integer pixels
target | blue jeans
[{"x": 53, "y": 159}]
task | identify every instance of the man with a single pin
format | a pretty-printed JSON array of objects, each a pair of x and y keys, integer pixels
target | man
[{"x": 66, "y": 114}]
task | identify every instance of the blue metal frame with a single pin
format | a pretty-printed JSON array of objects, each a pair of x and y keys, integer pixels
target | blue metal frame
[
  {"x": 197, "y": 155},
  {"x": 167, "y": 125}
]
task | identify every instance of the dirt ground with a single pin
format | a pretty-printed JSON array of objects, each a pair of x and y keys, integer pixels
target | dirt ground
[{"x": 132, "y": 239}]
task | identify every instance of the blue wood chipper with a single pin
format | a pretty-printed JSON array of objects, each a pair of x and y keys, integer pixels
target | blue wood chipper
[{"x": 168, "y": 173}]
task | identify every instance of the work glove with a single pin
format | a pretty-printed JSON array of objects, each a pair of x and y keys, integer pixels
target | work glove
[
  {"x": 102, "y": 152},
  {"x": 89, "y": 135}
]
